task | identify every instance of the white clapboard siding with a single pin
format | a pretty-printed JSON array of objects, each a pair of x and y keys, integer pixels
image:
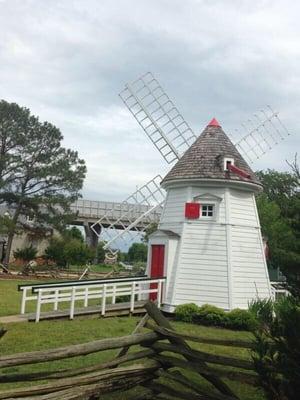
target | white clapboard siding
[
  {"x": 249, "y": 273},
  {"x": 242, "y": 209},
  {"x": 173, "y": 212},
  {"x": 202, "y": 269}
]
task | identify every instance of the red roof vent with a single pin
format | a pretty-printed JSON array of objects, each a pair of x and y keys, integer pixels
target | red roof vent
[{"x": 214, "y": 122}]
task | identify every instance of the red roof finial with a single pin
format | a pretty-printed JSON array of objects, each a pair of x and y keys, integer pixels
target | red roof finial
[{"x": 214, "y": 122}]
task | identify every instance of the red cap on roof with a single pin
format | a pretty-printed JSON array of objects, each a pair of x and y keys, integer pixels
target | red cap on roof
[{"x": 214, "y": 122}]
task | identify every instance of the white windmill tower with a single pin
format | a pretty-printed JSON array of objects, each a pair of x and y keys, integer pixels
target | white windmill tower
[{"x": 221, "y": 190}]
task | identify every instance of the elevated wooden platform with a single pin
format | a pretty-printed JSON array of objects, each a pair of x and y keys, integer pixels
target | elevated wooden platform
[{"x": 112, "y": 310}]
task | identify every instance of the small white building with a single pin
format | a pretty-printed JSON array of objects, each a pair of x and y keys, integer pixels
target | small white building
[{"x": 209, "y": 244}]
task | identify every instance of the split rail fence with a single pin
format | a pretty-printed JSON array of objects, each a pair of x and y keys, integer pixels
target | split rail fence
[
  {"x": 80, "y": 293},
  {"x": 163, "y": 372}
]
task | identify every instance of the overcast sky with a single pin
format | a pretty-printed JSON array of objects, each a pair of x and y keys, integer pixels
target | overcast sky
[{"x": 68, "y": 60}]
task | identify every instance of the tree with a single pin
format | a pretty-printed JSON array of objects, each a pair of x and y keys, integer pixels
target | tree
[
  {"x": 149, "y": 230},
  {"x": 39, "y": 179},
  {"x": 279, "y": 212},
  {"x": 137, "y": 252},
  {"x": 77, "y": 253},
  {"x": 100, "y": 252},
  {"x": 73, "y": 233}
]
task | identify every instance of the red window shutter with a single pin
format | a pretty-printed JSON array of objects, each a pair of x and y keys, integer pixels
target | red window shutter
[{"x": 192, "y": 210}]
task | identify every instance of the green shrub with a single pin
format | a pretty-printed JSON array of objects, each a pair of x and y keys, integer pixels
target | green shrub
[
  {"x": 26, "y": 254},
  {"x": 186, "y": 312},
  {"x": 276, "y": 352},
  {"x": 210, "y": 315},
  {"x": 241, "y": 320}
]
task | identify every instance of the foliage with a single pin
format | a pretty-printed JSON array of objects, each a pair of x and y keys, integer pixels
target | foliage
[
  {"x": 186, "y": 312},
  {"x": 100, "y": 252},
  {"x": 77, "y": 253},
  {"x": 73, "y": 233},
  {"x": 241, "y": 320},
  {"x": 277, "y": 348},
  {"x": 210, "y": 315},
  {"x": 149, "y": 230},
  {"x": 137, "y": 252},
  {"x": 39, "y": 179},
  {"x": 139, "y": 268},
  {"x": 55, "y": 251},
  {"x": 214, "y": 316},
  {"x": 279, "y": 212},
  {"x": 65, "y": 250},
  {"x": 26, "y": 254}
]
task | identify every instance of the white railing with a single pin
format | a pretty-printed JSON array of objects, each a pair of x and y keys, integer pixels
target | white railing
[
  {"x": 107, "y": 291},
  {"x": 278, "y": 289}
]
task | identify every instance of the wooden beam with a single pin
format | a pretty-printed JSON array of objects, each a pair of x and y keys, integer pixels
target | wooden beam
[
  {"x": 105, "y": 377},
  {"x": 221, "y": 342},
  {"x": 203, "y": 356},
  {"x": 48, "y": 375},
  {"x": 76, "y": 350},
  {"x": 170, "y": 362},
  {"x": 159, "y": 318}
]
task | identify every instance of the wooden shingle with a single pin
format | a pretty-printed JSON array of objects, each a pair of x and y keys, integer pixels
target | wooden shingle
[{"x": 204, "y": 159}]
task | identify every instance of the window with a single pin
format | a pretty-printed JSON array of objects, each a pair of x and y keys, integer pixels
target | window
[{"x": 207, "y": 210}]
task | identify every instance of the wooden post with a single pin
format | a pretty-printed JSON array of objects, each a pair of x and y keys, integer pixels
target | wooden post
[
  {"x": 24, "y": 298},
  {"x": 103, "y": 304},
  {"x": 38, "y": 305},
  {"x": 159, "y": 294},
  {"x": 132, "y": 297},
  {"x": 86, "y": 297},
  {"x": 55, "y": 307},
  {"x": 114, "y": 294},
  {"x": 72, "y": 305}
]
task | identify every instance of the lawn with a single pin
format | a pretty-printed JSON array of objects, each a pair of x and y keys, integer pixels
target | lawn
[{"x": 21, "y": 337}]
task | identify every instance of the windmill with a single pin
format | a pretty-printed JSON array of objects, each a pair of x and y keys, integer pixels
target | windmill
[{"x": 172, "y": 136}]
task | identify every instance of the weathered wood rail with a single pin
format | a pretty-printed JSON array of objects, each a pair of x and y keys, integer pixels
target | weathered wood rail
[{"x": 163, "y": 355}]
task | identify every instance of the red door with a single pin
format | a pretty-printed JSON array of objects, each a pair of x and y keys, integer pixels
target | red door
[{"x": 157, "y": 266}]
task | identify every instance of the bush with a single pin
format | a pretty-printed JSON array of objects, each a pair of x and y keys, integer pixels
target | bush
[
  {"x": 77, "y": 253},
  {"x": 186, "y": 312},
  {"x": 210, "y": 315},
  {"x": 26, "y": 254},
  {"x": 241, "y": 319},
  {"x": 276, "y": 353},
  {"x": 55, "y": 252}
]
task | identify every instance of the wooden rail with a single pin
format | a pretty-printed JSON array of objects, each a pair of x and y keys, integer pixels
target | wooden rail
[
  {"x": 104, "y": 290},
  {"x": 160, "y": 376}
]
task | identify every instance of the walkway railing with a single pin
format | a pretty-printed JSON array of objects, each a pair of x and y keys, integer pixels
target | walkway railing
[{"x": 107, "y": 291}]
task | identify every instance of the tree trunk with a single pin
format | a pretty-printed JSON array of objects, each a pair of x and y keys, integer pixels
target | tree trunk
[{"x": 11, "y": 235}]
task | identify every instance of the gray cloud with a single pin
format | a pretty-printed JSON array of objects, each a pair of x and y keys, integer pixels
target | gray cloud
[{"x": 68, "y": 60}]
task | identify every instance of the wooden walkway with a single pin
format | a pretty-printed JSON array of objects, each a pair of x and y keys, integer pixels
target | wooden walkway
[{"x": 112, "y": 310}]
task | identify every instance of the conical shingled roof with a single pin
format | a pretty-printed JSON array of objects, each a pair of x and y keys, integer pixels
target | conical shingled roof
[{"x": 205, "y": 159}]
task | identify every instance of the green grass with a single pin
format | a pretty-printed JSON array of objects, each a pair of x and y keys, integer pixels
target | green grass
[{"x": 22, "y": 337}]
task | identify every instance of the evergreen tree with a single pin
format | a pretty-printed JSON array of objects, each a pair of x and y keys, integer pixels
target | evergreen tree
[{"x": 39, "y": 179}]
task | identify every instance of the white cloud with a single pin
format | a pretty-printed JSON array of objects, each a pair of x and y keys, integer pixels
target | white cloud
[{"x": 68, "y": 60}]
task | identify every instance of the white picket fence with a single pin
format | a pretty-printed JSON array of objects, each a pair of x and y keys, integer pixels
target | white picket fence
[{"x": 106, "y": 291}]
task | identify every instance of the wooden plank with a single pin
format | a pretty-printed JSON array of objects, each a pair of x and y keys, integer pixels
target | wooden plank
[
  {"x": 110, "y": 376},
  {"x": 76, "y": 350},
  {"x": 158, "y": 317},
  {"x": 49, "y": 375},
  {"x": 245, "y": 377},
  {"x": 136, "y": 330},
  {"x": 178, "y": 377},
  {"x": 203, "y": 356}
]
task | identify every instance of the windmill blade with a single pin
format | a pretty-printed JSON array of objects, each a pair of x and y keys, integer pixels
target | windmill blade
[
  {"x": 158, "y": 116},
  {"x": 140, "y": 209},
  {"x": 262, "y": 135}
]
